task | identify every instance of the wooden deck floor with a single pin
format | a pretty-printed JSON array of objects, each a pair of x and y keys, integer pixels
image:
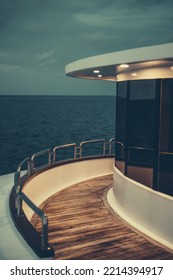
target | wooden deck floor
[{"x": 81, "y": 227}]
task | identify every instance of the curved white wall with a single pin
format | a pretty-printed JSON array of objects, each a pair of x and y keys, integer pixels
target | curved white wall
[
  {"x": 45, "y": 184},
  {"x": 147, "y": 210}
]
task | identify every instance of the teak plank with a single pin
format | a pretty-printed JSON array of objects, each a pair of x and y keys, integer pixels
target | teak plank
[{"x": 81, "y": 226}]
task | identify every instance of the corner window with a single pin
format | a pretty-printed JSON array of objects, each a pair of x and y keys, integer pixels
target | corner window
[
  {"x": 141, "y": 121},
  {"x": 135, "y": 129}
]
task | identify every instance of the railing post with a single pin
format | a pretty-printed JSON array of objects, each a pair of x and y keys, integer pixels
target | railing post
[
  {"x": 80, "y": 150},
  {"x": 18, "y": 185},
  {"x": 44, "y": 239},
  {"x": 41, "y": 214},
  {"x": 104, "y": 148},
  {"x": 18, "y": 201},
  {"x": 32, "y": 165},
  {"x": 110, "y": 146},
  {"x": 54, "y": 155},
  {"x": 19, "y": 206},
  {"x": 28, "y": 169},
  {"x": 49, "y": 158},
  {"x": 75, "y": 151}
]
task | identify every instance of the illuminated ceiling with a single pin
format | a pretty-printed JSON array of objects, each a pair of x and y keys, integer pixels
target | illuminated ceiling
[{"x": 129, "y": 64}]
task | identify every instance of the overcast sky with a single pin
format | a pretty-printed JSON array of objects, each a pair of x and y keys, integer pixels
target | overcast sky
[{"x": 39, "y": 37}]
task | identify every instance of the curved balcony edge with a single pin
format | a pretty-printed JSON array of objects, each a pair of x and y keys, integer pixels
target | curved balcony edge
[
  {"x": 146, "y": 210},
  {"x": 44, "y": 183}
]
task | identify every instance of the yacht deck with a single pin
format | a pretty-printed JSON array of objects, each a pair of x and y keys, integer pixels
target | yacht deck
[{"x": 82, "y": 226}]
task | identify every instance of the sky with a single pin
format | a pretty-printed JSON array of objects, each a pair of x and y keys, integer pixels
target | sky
[{"x": 39, "y": 37}]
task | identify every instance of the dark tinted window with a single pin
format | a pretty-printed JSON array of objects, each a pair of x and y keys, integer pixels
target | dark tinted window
[{"x": 121, "y": 113}]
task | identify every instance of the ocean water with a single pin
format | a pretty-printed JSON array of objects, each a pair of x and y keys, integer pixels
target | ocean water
[{"x": 29, "y": 124}]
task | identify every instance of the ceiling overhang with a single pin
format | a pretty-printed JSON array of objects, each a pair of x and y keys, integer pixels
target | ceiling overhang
[{"x": 141, "y": 63}]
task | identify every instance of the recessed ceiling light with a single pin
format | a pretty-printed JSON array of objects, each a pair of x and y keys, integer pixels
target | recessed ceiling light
[
  {"x": 96, "y": 71},
  {"x": 99, "y": 76},
  {"x": 124, "y": 65}
]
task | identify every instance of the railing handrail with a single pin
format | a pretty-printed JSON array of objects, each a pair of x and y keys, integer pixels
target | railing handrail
[
  {"x": 17, "y": 183},
  {"x": 166, "y": 153},
  {"x": 36, "y": 155},
  {"x": 52, "y": 157},
  {"x": 63, "y": 147},
  {"x": 20, "y": 196},
  {"x": 140, "y": 148},
  {"x": 41, "y": 214},
  {"x": 93, "y": 141},
  {"x": 19, "y": 169}
]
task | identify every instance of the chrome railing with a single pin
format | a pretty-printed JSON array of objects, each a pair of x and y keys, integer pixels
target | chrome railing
[
  {"x": 121, "y": 147},
  {"x": 130, "y": 151},
  {"x": 84, "y": 143},
  {"x": 41, "y": 153},
  {"x": 52, "y": 158},
  {"x": 62, "y": 147},
  {"x": 17, "y": 180},
  {"x": 40, "y": 213},
  {"x": 112, "y": 140},
  {"x": 20, "y": 169}
]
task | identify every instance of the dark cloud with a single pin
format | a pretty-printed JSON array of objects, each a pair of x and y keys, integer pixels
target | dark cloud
[{"x": 39, "y": 37}]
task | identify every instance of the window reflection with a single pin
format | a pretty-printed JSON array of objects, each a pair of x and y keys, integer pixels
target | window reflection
[
  {"x": 121, "y": 113},
  {"x": 165, "y": 182},
  {"x": 144, "y": 132},
  {"x": 135, "y": 133}
]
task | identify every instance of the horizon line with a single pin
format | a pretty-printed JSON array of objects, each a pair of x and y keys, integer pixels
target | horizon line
[{"x": 52, "y": 95}]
